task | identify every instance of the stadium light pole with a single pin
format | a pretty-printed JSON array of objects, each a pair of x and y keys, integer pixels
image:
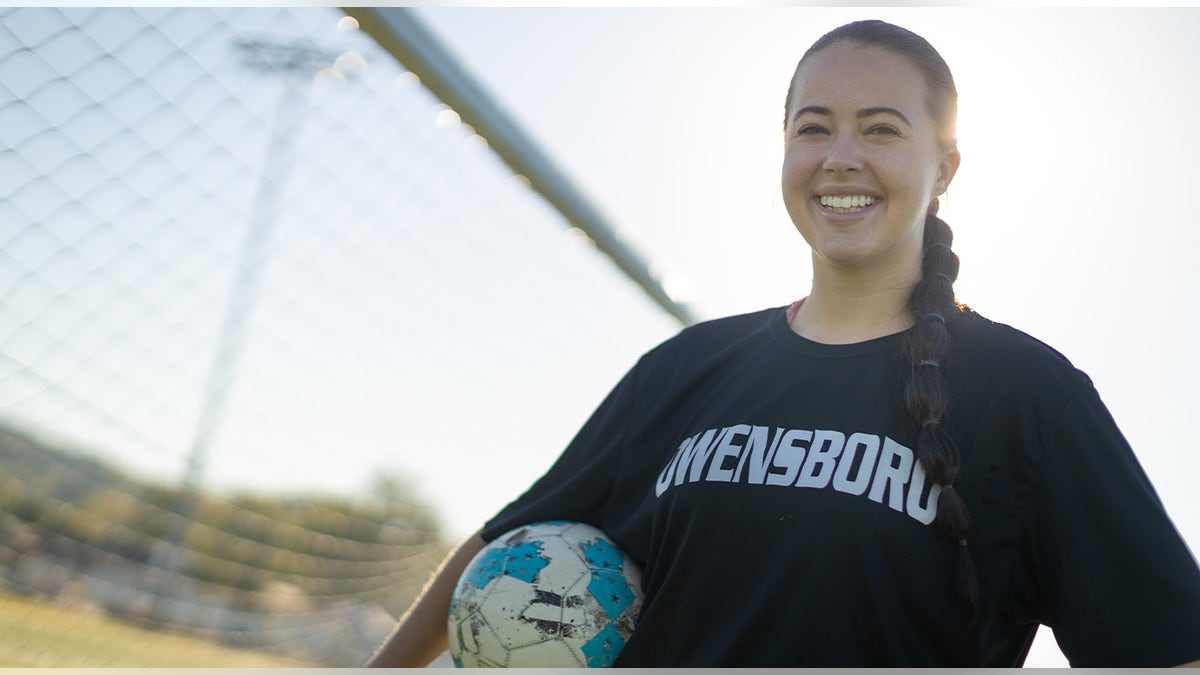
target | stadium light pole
[{"x": 297, "y": 62}]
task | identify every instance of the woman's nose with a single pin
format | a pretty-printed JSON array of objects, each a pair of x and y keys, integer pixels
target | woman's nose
[{"x": 843, "y": 156}]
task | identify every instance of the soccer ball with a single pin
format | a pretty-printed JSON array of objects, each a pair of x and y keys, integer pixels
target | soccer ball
[{"x": 552, "y": 594}]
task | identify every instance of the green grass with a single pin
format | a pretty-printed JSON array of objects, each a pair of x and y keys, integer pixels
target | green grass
[{"x": 36, "y": 634}]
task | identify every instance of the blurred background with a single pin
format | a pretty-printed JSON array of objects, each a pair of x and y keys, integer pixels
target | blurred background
[{"x": 279, "y": 325}]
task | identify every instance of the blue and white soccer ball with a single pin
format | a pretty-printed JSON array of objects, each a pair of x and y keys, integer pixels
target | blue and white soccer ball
[{"x": 552, "y": 594}]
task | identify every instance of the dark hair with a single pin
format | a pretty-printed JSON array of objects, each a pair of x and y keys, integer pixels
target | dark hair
[{"x": 927, "y": 345}]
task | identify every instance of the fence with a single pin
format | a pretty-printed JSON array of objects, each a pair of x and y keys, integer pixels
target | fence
[{"x": 250, "y": 263}]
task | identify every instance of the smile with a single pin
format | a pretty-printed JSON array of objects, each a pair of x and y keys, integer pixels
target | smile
[{"x": 846, "y": 203}]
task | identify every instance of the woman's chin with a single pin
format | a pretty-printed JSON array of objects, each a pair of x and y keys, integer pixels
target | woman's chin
[{"x": 844, "y": 254}]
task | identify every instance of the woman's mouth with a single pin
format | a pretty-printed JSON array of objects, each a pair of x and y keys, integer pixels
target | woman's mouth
[{"x": 846, "y": 203}]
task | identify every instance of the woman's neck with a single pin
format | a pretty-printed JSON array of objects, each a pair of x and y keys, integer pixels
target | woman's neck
[{"x": 845, "y": 308}]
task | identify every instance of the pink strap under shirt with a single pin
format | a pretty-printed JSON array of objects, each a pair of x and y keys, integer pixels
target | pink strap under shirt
[{"x": 791, "y": 311}]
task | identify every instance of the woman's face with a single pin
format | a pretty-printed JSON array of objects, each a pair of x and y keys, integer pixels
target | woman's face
[{"x": 862, "y": 159}]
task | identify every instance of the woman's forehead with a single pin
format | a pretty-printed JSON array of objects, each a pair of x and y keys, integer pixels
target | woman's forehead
[{"x": 846, "y": 73}]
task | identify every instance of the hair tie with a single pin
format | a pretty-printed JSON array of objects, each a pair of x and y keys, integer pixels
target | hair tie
[
  {"x": 929, "y": 362},
  {"x": 941, "y": 244},
  {"x": 931, "y": 422},
  {"x": 944, "y": 276},
  {"x": 935, "y": 315},
  {"x": 962, "y": 543}
]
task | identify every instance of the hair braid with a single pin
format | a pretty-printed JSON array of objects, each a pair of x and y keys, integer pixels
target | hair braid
[{"x": 927, "y": 347}]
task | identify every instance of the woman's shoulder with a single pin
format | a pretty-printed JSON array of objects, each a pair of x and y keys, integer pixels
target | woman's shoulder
[
  {"x": 700, "y": 344},
  {"x": 980, "y": 331},
  {"x": 718, "y": 333},
  {"x": 1002, "y": 354}
]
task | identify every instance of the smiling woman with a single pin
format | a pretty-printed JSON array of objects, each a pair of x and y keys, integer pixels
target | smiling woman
[
  {"x": 882, "y": 260},
  {"x": 876, "y": 475}
]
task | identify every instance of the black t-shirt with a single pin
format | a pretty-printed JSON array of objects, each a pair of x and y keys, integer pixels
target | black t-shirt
[{"x": 767, "y": 486}]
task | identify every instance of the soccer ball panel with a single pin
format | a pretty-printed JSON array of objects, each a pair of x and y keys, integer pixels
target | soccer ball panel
[
  {"x": 601, "y": 651},
  {"x": 491, "y": 651},
  {"x": 612, "y": 591},
  {"x": 523, "y": 618},
  {"x": 563, "y": 566},
  {"x": 552, "y": 654}
]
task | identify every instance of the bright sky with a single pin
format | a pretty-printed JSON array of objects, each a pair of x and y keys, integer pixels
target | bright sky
[{"x": 1071, "y": 206}]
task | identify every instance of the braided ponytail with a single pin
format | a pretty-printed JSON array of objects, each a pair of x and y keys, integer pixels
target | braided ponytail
[{"x": 927, "y": 348}]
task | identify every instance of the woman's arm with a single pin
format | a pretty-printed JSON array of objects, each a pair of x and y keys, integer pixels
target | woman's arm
[{"x": 420, "y": 635}]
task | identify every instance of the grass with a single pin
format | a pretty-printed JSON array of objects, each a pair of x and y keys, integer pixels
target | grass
[{"x": 37, "y": 634}]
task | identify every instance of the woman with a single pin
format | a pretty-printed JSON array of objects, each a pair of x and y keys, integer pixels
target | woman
[{"x": 876, "y": 475}]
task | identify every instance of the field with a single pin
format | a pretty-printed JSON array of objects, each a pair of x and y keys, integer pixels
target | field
[{"x": 35, "y": 634}]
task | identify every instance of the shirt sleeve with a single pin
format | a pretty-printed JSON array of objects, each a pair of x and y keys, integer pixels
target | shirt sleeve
[
  {"x": 1118, "y": 585},
  {"x": 579, "y": 483}
]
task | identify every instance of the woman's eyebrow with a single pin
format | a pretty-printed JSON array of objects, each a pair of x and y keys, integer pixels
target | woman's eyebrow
[
  {"x": 865, "y": 112},
  {"x": 814, "y": 109},
  {"x": 878, "y": 110}
]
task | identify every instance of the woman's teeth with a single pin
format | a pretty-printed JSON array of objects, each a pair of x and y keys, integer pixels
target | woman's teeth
[{"x": 847, "y": 204}]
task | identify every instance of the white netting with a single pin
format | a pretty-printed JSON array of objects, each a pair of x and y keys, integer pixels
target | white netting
[{"x": 245, "y": 247}]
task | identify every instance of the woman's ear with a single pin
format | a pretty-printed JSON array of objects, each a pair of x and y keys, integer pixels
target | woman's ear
[{"x": 946, "y": 170}]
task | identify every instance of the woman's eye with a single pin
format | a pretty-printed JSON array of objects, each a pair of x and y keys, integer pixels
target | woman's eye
[
  {"x": 810, "y": 130},
  {"x": 884, "y": 130}
]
